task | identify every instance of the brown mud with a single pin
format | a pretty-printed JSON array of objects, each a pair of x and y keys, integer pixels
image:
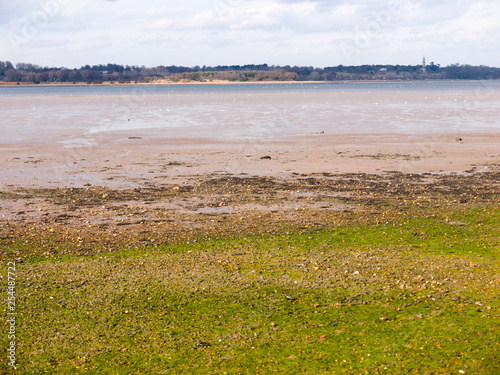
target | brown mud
[{"x": 54, "y": 222}]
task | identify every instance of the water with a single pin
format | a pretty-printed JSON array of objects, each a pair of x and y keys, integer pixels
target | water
[
  {"x": 305, "y": 88},
  {"x": 76, "y": 116}
]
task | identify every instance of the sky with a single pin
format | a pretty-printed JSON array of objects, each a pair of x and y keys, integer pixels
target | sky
[{"x": 319, "y": 33}]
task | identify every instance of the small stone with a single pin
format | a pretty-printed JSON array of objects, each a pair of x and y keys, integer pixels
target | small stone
[
  {"x": 203, "y": 344},
  {"x": 267, "y": 157}
]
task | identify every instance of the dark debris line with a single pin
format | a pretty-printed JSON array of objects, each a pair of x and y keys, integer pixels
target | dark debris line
[
  {"x": 481, "y": 185},
  {"x": 97, "y": 219}
]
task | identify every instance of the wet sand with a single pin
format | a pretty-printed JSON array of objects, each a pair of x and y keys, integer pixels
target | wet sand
[
  {"x": 136, "y": 159},
  {"x": 136, "y": 138}
]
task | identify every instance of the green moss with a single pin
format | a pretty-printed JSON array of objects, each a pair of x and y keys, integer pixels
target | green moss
[{"x": 417, "y": 293}]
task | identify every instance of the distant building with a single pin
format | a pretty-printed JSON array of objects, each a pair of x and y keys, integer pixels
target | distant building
[{"x": 424, "y": 70}]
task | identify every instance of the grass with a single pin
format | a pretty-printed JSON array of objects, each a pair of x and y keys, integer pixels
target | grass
[{"x": 414, "y": 293}]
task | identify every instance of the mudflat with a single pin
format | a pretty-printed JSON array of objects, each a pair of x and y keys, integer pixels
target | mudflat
[
  {"x": 132, "y": 182},
  {"x": 135, "y": 159}
]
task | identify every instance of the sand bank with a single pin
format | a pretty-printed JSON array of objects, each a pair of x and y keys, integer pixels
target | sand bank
[{"x": 134, "y": 158}]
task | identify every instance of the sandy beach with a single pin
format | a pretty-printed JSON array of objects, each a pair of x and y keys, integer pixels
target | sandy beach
[
  {"x": 137, "y": 136},
  {"x": 134, "y": 158}
]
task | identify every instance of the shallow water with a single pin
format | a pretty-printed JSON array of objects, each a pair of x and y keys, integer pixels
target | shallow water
[{"x": 77, "y": 116}]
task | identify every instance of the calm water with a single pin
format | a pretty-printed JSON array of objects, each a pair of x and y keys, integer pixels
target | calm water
[{"x": 75, "y": 116}]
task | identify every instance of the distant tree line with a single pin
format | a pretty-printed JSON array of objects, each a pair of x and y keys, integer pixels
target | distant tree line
[{"x": 29, "y": 73}]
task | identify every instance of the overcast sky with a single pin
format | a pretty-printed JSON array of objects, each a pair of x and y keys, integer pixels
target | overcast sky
[{"x": 316, "y": 33}]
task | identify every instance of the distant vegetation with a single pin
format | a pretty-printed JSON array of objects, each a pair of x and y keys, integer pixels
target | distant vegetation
[{"x": 29, "y": 73}]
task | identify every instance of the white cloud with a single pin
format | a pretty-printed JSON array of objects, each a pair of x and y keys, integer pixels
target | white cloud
[{"x": 196, "y": 32}]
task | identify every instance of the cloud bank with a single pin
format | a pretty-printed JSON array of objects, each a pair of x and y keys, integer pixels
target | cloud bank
[{"x": 295, "y": 32}]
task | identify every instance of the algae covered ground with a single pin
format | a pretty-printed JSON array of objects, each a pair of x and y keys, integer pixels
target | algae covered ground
[{"x": 358, "y": 274}]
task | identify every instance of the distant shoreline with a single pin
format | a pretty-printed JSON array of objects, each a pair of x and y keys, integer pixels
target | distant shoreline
[
  {"x": 208, "y": 83},
  {"x": 161, "y": 83}
]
